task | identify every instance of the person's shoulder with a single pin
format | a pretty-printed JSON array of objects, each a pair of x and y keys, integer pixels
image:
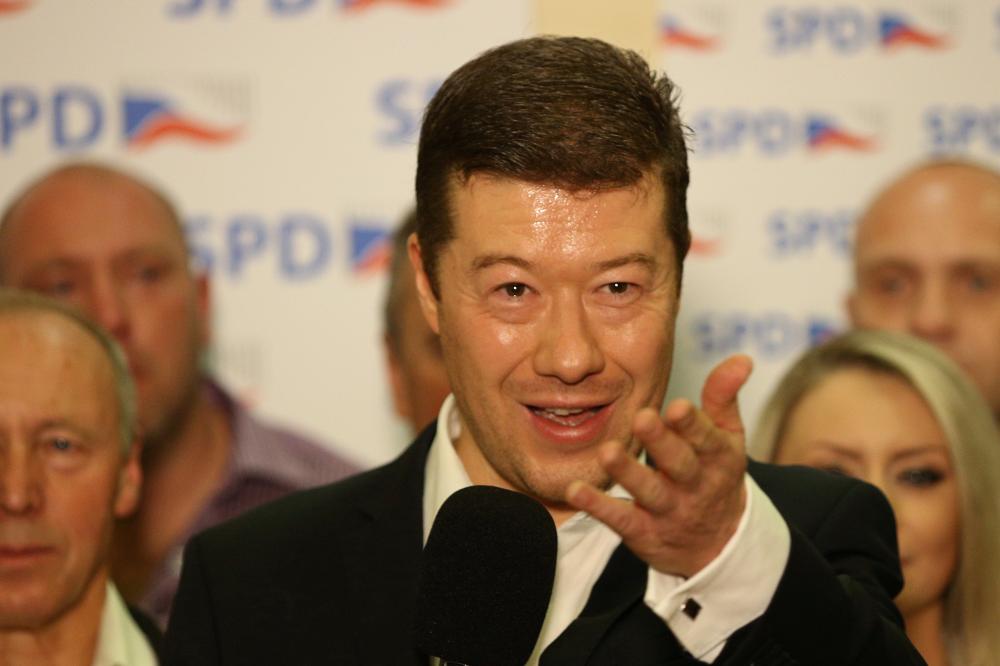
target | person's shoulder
[
  {"x": 806, "y": 497},
  {"x": 322, "y": 512},
  {"x": 307, "y": 458}
]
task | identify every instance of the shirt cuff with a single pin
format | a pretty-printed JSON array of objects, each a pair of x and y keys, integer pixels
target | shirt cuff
[{"x": 734, "y": 589}]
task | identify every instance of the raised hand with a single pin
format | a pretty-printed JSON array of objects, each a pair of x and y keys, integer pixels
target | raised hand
[{"x": 688, "y": 504}]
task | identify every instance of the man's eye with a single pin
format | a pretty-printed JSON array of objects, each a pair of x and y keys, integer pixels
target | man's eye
[
  {"x": 921, "y": 477},
  {"x": 515, "y": 289},
  {"x": 61, "y": 444},
  {"x": 979, "y": 283},
  {"x": 618, "y": 287},
  {"x": 890, "y": 285},
  {"x": 150, "y": 273},
  {"x": 59, "y": 288}
]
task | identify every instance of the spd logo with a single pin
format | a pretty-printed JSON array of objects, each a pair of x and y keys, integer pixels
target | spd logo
[
  {"x": 777, "y": 132},
  {"x": 76, "y": 117},
  {"x": 296, "y": 246},
  {"x": 963, "y": 129},
  {"x": 853, "y": 28},
  {"x": 400, "y": 105},
  {"x": 768, "y": 335},
  {"x": 804, "y": 233}
]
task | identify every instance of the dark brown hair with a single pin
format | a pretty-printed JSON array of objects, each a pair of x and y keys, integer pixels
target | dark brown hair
[{"x": 572, "y": 112}]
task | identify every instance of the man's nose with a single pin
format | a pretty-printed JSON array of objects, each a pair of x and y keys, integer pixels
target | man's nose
[
  {"x": 568, "y": 349},
  {"x": 108, "y": 306},
  {"x": 931, "y": 313},
  {"x": 20, "y": 481}
]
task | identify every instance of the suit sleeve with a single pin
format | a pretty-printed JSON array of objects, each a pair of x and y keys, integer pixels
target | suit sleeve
[
  {"x": 833, "y": 605},
  {"x": 191, "y": 632}
]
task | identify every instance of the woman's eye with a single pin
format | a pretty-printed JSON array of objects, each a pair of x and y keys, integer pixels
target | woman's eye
[{"x": 921, "y": 477}]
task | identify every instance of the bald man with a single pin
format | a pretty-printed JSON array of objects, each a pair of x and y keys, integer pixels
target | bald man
[
  {"x": 113, "y": 247},
  {"x": 927, "y": 261}
]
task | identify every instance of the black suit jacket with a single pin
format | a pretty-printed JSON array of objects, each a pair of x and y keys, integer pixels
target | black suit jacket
[{"x": 329, "y": 576}]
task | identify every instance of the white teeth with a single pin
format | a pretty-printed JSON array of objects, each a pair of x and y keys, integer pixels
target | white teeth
[{"x": 564, "y": 412}]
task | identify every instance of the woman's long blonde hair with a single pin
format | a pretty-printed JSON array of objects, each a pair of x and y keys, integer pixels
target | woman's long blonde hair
[{"x": 972, "y": 600}]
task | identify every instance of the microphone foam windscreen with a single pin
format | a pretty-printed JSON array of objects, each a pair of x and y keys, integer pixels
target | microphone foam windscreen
[{"x": 486, "y": 578}]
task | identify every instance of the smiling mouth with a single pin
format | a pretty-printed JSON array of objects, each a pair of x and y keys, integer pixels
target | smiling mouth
[{"x": 567, "y": 416}]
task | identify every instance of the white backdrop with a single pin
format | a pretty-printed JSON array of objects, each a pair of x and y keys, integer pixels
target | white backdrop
[{"x": 285, "y": 131}]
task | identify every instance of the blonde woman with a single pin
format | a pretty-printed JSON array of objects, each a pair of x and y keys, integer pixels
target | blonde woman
[{"x": 892, "y": 410}]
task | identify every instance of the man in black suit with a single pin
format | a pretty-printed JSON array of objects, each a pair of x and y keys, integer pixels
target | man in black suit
[{"x": 552, "y": 229}]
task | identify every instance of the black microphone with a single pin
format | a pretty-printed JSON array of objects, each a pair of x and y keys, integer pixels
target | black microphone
[{"x": 486, "y": 578}]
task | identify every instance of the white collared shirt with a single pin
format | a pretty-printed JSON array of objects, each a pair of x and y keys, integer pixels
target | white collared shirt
[
  {"x": 120, "y": 642},
  {"x": 733, "y": 590}
]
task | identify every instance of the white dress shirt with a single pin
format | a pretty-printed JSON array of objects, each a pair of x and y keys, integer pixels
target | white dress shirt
[
  {"x": 120, "y": 642},
  {"x": 734, "y": 589}
]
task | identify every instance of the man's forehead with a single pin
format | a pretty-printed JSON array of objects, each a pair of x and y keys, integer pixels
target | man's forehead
[
  {"x": 91, "y": 202},
  {"x": 487, "y": 197}
]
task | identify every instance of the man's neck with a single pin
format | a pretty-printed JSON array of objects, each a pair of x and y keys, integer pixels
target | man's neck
[
  {"x": 924, "y": 628},
  {"x": 70, "y": 640},
  {"x": 178, "y": 482}
]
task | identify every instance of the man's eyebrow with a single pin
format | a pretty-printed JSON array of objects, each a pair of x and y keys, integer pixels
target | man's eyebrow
[
  {"x": 487, "y": 260},
  {"x": 646, "y": 260}
]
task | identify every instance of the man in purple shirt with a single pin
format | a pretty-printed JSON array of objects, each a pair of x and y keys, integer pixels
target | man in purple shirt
[{"x": 114, "y": 247}]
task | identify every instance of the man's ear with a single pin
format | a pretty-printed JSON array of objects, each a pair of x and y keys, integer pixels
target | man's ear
[
  {"x": 428, "y": 302},
  {"x": 129, "y": 488}
]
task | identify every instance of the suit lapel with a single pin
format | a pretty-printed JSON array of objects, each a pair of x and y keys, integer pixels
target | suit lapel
[{"x": 382, "y": 556}]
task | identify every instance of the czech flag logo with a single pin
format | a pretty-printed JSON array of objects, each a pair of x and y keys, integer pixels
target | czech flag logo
[
  {"x": 824, "y": 134},
  {"x": 151, "y": 119},
  {"x": 895, "y": 31},
  {"x": 673, "y": 34},
  {"x": 371, "y": 249}
]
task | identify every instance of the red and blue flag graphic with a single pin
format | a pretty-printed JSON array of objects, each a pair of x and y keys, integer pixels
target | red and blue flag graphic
[
  {"x": 894, "y": 30},
  {"x": 150, "y": 119},
  {"x": 371, "y": 249},
  {"x": 823, "y": 133},
  {"x": 673, "y": 34}
]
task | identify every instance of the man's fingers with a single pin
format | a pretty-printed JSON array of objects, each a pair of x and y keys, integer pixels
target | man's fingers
[
  {"x": 648, "y": 486},
  {"x": 719, "y": 395},
  {"x": 671, "y": 454},
  {"x": 618, "y": 514},
  {"x": 694, "y": 427}
]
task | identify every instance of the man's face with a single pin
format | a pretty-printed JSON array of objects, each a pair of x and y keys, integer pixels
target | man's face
[
  {"x": 110, "y": 248},
  {"x": 556, "y": 316},
  {"x": 927, "y": 261},
  {"x": 416, "y": 368},
  {"x": 63, "y": 477}
]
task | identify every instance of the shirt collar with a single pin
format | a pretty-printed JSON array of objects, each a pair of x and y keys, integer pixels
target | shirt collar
[{"x": 119, "y": 640}]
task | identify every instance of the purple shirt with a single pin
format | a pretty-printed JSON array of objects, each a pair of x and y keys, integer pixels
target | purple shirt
[{"x": 265, "y": 463}]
